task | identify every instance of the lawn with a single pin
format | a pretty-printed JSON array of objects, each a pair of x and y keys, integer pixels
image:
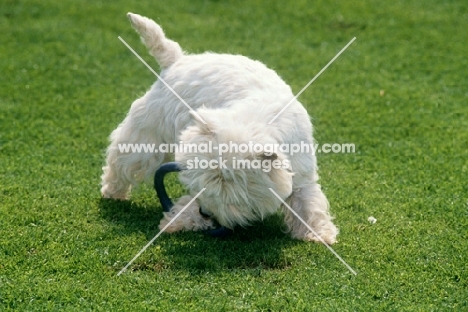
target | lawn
[{"x": 399, "y": 93}]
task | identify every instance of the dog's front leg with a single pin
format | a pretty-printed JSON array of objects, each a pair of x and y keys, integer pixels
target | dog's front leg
[{"x": 311, "y": 205}]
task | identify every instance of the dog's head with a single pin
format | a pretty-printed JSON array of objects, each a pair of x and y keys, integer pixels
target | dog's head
[{"x": 237, "y": 180}]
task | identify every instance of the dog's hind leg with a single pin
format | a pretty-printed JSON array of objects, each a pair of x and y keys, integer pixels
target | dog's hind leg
[
  {"x": 131, "y": 156},
  {"x": 309, "y": 202}
]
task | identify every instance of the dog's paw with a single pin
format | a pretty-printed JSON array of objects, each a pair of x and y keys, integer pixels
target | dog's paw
[
  {"x": 329, "y": 239},
  {"x": 107, "y": 193},
  {"x": 189, "y": 220},
  {"x": 327, "y": 234}
]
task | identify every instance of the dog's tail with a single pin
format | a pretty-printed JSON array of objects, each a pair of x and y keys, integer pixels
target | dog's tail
[{"x": 164, "y": 50}]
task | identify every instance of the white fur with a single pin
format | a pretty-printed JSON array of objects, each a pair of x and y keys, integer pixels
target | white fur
[{"x": 236, "y": 97}]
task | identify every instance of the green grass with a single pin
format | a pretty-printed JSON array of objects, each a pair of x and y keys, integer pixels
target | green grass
[{"x": 66, "y": 81}]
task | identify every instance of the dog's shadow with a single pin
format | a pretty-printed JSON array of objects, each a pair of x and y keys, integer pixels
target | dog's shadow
[{"x": 258, "y": 247}]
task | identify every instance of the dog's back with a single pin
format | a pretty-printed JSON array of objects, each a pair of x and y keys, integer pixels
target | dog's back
[{"x": 164, "y": 50}]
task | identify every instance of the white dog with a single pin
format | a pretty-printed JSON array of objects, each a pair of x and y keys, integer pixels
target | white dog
[{"x": 233, "y": 99}]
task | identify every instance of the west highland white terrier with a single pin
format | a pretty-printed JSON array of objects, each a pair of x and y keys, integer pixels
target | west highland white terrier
[{"x": 232, "y": 100}]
